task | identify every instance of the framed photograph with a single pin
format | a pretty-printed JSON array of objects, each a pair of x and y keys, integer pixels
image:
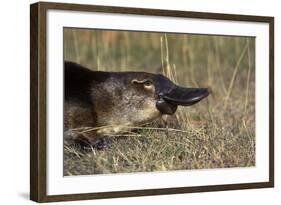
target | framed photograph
[{"x": 134, "y": 102}]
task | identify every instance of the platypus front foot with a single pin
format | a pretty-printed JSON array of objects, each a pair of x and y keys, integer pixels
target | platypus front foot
[
  {"x": 86, "y": 141},
  {"x": 100, "y": 143}
]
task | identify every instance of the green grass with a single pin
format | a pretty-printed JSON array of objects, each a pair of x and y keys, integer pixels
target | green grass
[{"x": 218, "y": 132}]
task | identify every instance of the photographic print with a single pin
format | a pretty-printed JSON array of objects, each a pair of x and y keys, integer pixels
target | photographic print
[
  {"x": 135, "y": 102},
  {"x": 145, "y": 101}
]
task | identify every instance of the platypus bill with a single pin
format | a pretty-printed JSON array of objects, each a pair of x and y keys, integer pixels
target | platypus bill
[{"x": 114, "y": 101}]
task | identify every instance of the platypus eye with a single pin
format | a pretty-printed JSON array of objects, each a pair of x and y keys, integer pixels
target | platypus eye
[{"x": 146, "y": 83}]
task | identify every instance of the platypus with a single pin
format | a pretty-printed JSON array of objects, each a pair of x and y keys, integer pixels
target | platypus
[{"x": 114, "y": 101}]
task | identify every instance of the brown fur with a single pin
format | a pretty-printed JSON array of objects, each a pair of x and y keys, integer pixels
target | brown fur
[{"x": 97, "y": 99}]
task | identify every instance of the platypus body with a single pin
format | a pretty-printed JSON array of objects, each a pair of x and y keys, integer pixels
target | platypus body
[{"x": 114, "y": 101}]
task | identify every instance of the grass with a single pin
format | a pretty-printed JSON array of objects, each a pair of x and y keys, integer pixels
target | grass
[{"x": 218, "y": 132}]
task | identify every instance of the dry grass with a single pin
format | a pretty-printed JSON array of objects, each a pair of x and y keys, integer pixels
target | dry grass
[{"x": 215, "y": 133}]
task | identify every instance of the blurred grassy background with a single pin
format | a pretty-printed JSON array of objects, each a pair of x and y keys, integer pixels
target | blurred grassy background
[{"x": 215, "y": 133}]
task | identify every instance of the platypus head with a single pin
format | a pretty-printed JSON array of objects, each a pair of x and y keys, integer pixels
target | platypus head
[{"x": 167, "y": 95}]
